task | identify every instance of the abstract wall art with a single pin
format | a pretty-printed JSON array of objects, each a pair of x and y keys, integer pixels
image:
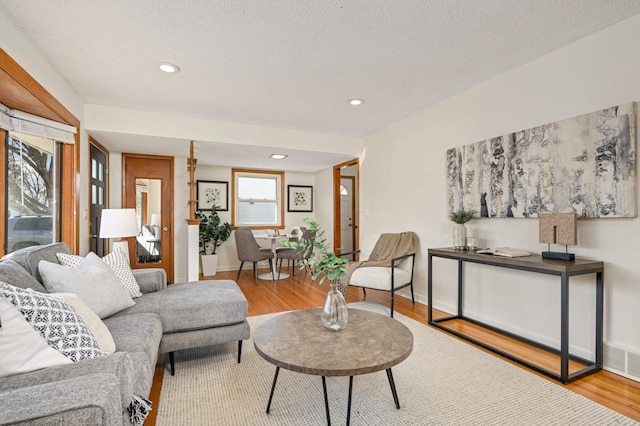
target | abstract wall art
[
  {"x": 584, "y": 165},
  {"x": 300, "y": 198}
]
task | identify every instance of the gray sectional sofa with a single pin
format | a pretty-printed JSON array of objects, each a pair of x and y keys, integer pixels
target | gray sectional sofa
[{"x": 99, "y": 391}]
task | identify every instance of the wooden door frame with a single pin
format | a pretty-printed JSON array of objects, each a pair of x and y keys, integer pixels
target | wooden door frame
[
  {"x": 336, "y": 204},
  {"x": 169, "y": 266}
]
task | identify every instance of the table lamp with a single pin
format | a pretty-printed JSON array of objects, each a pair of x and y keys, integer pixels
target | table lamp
[
  {"x": 155, "y": 222},
  {"x": 119, "y": 223}
]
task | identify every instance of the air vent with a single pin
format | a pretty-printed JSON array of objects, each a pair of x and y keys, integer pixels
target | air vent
[
  {"x": 614, "y": 358},
  {"x": 633, "y": 368}
]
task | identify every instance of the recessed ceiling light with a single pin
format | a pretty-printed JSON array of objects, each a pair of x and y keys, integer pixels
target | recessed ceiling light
[
  {"x": 278, "y": 156},
  {"x": 170, "y": 68},
  {"x": 356, "y": 102}
]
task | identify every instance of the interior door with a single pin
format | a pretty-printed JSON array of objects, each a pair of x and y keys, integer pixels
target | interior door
[
  {"x": 148, "y": 187},
  {"x": 349, "y": 170},
  {"x": 97, "y": 196},
  {"x": 346, "y": 213}
]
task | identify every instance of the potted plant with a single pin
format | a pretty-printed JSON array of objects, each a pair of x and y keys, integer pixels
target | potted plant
[
  {"x": 211, "y": 236},
  {"x": 460, "y": 217},
  {"x": 324, "y": 264}
]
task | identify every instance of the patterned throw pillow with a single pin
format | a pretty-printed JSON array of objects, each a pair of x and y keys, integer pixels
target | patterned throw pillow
[
  {"x": 117, "y": 261},
  {"x": 94, "y": 323},
  {"x": 56, "y": 322}
]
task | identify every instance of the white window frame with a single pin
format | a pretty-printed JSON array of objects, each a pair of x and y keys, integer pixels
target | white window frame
[{"x": 279, "y": 176}]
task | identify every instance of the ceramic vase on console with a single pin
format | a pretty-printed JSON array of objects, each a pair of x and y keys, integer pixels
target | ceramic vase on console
[
  {"x": 459, "y": 236},
  {"x": 334, "y": 312}
]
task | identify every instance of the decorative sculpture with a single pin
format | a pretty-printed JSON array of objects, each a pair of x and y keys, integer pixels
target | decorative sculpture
[{"x": 558, "y": 228}]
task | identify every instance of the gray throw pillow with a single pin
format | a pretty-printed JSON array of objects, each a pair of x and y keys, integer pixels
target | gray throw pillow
[
  {"x": 12, "y": 273},
  {"x": 93, "y": 281}
]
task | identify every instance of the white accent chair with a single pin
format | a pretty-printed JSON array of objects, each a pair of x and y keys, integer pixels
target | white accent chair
[{"x": 397, "y": 275}]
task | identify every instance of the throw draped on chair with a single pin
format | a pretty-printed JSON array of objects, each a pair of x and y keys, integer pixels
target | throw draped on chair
[
  {"x": 389, "y": 266},
  {"x": 250, "y": 251}
]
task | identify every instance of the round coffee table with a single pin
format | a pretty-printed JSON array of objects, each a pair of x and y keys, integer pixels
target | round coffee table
[{"x": 297, "y": 341}]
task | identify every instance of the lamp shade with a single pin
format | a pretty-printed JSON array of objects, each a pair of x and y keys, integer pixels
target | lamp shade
[
  {"x": 155, "y": 219},
  {"x": 118, "y": 223}
]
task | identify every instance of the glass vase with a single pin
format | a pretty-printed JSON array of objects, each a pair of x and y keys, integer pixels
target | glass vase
[
  {"x": 334, "y": 312},
  {"x": 459, "y": 236}
]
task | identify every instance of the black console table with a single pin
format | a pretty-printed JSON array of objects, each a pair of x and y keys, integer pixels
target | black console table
[{"x": 535, "y": 263}]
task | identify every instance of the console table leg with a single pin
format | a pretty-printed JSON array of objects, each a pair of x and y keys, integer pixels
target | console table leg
[
  {"x": 273, "y": 388},
  {"x": 460, "y": 281},
  {"x": 564, "y": 328},
  {"x": 326, "y": 399},
  {"x": 393, "y": 388}
]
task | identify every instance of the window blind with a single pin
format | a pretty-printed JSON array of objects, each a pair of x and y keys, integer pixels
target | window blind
[
  {"x": 18, "y": 121},
  {"x": 257, "y": 200}
]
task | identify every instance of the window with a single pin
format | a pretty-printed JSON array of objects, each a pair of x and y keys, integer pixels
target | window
[
  {"x": 257, "y": 198},
  {"x": 22, "y": 89},
  {"x": 32, "y": 185}
]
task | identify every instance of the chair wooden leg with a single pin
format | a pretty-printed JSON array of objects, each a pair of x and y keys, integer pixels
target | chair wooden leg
[
  {"x": 412, "y": 299},
  {"x": 239, "y": 350},
  {"x": 280, "y": 267},
  {"x": 255, "y": 271},
  {"x": 364, "y": 291},
  {"x": 239, "y": 270}
]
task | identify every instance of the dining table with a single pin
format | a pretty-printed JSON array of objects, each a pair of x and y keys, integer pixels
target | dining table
[{"x": 274, "y": 239}]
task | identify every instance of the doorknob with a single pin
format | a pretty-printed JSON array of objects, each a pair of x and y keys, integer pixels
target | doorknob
[{"x": 165, "y": 229}]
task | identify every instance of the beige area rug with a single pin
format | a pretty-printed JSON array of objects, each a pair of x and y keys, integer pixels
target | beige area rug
[{"x": 443, "y": 382}]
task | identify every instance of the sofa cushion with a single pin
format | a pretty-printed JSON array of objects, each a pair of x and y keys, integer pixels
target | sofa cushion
[
  {"x": 194, "y": 305},
  {"x": 30, "y": 257},
  {"x": 95, "y": 324},
  {"x": 93, "y": 280},
  {"x": 14, "y": 274},
  {"x": 47, "y": 317},
  {"x": 139, "y": 335},
  {"x": 117, "y": 261}
]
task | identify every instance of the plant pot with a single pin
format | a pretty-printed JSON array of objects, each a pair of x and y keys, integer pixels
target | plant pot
[
  {"x": 459, "y": 236},
  {"x": 209, "y": 264}
]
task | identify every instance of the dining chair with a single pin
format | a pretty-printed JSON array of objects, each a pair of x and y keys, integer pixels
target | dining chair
[
  {"x": 250, "y": 251},
  {"x": 298, "y": 254}
]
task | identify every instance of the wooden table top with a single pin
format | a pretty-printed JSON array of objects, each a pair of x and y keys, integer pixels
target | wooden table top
[
  {"x": 533, "y": 262},
  {"x": 297, "y": 341}
]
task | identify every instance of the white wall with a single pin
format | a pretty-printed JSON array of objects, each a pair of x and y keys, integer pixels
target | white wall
[{"x": 599, "y": 71}]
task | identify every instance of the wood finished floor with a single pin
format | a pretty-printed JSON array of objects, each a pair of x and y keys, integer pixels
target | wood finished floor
[{"x": 611, "y": 390}]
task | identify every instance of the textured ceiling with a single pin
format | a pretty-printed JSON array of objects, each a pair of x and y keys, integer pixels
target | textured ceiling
[{"x": 294, "y": 64}]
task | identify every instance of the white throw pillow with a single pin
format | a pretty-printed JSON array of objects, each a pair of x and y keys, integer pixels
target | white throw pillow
[
  {"x": 22, "y": 348},
  {"x": 95, "y": 324},
  {"x": 39, "y": 331},
  {"x": 94, "y": 281},
  {"x": 117, "y": 260}
]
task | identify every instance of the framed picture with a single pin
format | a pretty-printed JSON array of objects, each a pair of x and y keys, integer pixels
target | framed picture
[
  {"x": 300, "y": 198},
  {"x": 212, "y": 194}
]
